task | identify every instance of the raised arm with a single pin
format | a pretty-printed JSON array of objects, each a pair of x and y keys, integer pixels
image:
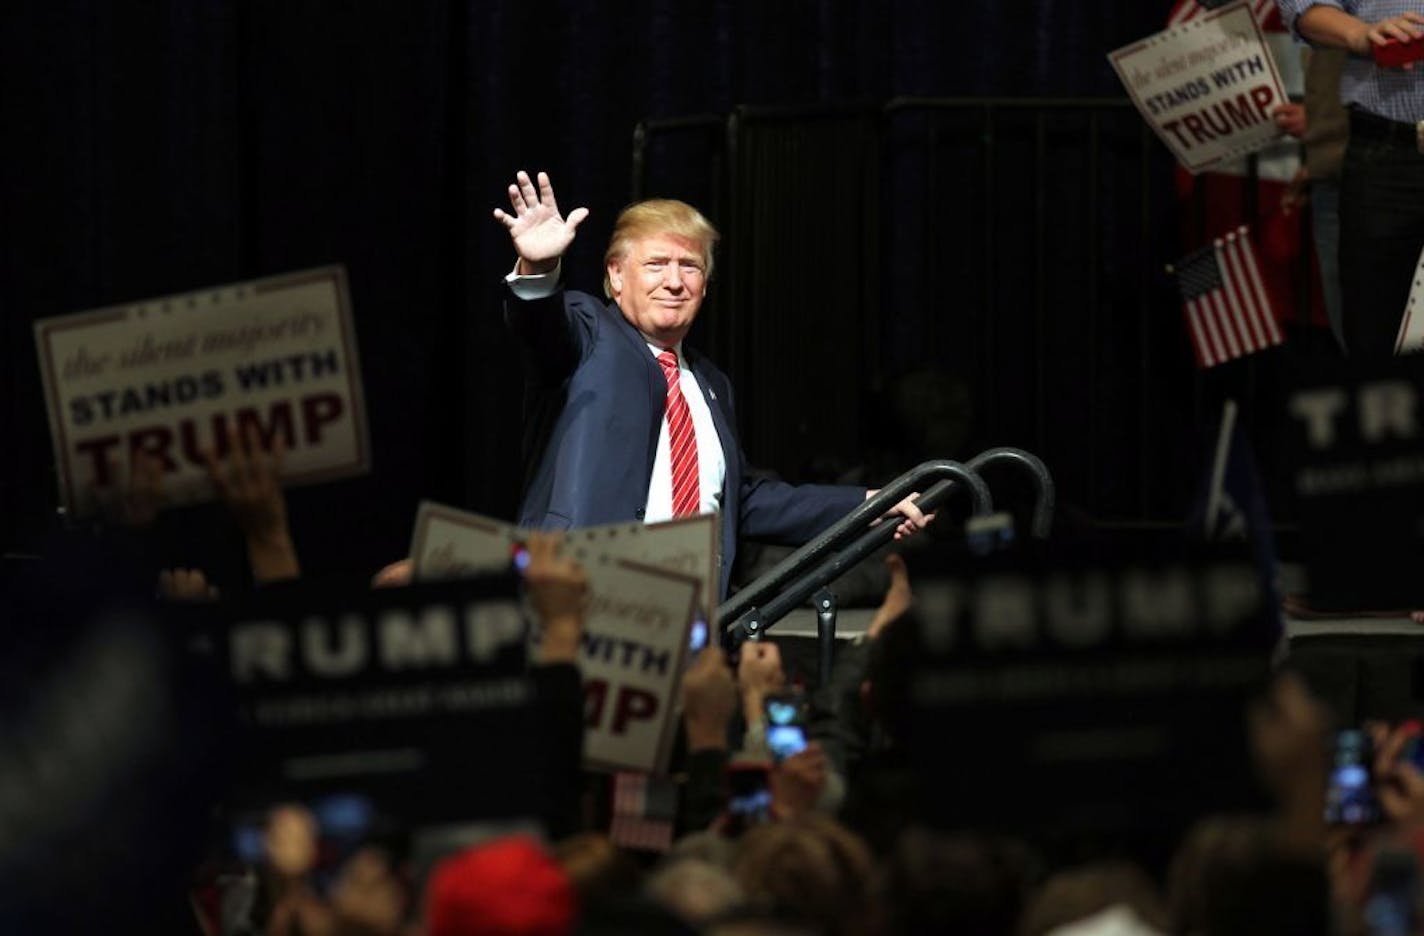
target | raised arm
[
  {"x": 248, "y": 481},
  {"x": 1330, "y": 26},
  {"x": 539, "y": 233}
]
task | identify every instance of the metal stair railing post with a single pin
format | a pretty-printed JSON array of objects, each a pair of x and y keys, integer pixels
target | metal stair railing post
[
  {"x": 825, "y": 603},
  {"x": 736, "y": 609},
  {"x": 1043, "y": 507}
]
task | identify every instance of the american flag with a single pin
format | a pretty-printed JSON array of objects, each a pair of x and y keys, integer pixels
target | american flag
[
  {"x": 1266, "y": 12},
  {"x": 644, "y": 811},
  {"x": 1227, "y": 311}
]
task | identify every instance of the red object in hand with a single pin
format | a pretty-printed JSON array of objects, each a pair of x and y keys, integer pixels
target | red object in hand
[{"x": 1396, "y": 54}]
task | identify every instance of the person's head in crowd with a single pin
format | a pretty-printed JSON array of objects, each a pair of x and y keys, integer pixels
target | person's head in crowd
[
  {"x": 369, "y": 897},
  {"x": 1080, "y": 893},
  {"x": 290, "y": 849},
  {"x": 1231, "y": 877},
  {"x": 289, "y": 841},
  {"x": 508, "y": 887},
  {"x": 953, "y": 883},
  {"x": 813, "y": 869},
  {"x": 597, "y": 868},
  {"x": 657, "y": 265},
  {"x": 705, "y": 845},
  {"x": 697, "y": 891}
]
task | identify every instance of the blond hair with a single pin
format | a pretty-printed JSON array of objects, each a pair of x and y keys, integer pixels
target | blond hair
[{"x": 659, "y": 216}]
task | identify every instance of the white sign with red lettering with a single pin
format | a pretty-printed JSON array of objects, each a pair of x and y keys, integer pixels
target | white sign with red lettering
[
  {"x": 688, "y": 545},
  {"x": 634, "y": 652},
  {"x": 1208, "y": 87},
  {"x": 450, "y": 543},
  {"x": 645, "y": 588},
  {"x": 169, "y": 377}
]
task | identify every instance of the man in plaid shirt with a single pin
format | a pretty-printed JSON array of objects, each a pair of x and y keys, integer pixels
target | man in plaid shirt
[{"x": 1382, "y": 182}]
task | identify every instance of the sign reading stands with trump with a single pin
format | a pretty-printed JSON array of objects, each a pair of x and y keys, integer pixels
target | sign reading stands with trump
[
  {"x": 645, "y": 591},
  {"x": 1208, "y": 87},
  {"x": 171, "y": 377}
]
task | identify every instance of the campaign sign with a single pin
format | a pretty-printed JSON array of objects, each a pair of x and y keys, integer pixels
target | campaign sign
[
  {"x": 634, "y": 652},
  {"x": 689, "y": 546},
  {"x": 171, "y": 376},
  {"x": 1207, "y": 87},
  {"x": 638, "y": 622},
  {"x": 417, "y": 698},
  {"x": 1357, "y": 457},
  {"x": 1097, "y": 691},
  {"x": 450, "y": 543}
]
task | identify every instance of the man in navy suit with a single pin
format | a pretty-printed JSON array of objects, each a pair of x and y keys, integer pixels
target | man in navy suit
[{"x": 611, "y": 441}]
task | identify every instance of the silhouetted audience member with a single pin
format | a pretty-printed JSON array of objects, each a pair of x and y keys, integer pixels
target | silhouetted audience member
[
  {"x": 1090, "y": 891},
  {"x": 813, "y": 869},
  {"x": 1232, "y": 877},
  {"x": 940, "y": 883},
  {"x": 598, "y": 869},
  {"x": 698, "y": 891}
]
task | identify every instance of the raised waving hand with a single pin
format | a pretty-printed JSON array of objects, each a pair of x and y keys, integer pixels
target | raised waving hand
[{"x": 540, "y": 234}]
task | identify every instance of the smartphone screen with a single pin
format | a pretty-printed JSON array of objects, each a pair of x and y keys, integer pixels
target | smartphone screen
[
  {"x": 785, "y": 724},
  {"x": 697, "y": 636},
  {"x": 1350, "y": 799},
  {"x": 748, "y": 791},
  {"x": 785, "y": 740}
]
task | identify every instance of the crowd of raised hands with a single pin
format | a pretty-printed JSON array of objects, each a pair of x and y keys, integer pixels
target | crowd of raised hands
[
  {"x": 820, "y": 854},
  {"x": 816, "y": 861}
]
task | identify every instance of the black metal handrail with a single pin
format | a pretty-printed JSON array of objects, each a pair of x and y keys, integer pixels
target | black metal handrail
[
  {"x": 837, "y": 565},
  {"x": 1043, "y": 506},
  {"x": 772, "y": 587}
]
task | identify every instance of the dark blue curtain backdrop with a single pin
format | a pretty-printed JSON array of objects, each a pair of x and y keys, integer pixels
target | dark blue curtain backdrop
[{"x": 157, "y": 147}]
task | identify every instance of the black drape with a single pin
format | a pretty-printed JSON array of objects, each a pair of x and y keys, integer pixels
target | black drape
[{"x": 151, "y": 148}]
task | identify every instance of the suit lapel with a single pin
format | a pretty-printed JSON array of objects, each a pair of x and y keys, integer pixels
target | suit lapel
[
  {"x": 695, "y": 363},
  {"x": 654, "y": 380}
]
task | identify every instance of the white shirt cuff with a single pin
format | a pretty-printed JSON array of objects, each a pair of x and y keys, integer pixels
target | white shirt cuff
[{"x": 536, "y": 285}]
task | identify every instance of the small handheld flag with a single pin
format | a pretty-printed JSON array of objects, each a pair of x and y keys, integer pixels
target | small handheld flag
[{"x": 1227, "y": 310}]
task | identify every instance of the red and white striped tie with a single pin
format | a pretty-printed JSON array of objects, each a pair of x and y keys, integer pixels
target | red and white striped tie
[{"x": 682, "y": 442}]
